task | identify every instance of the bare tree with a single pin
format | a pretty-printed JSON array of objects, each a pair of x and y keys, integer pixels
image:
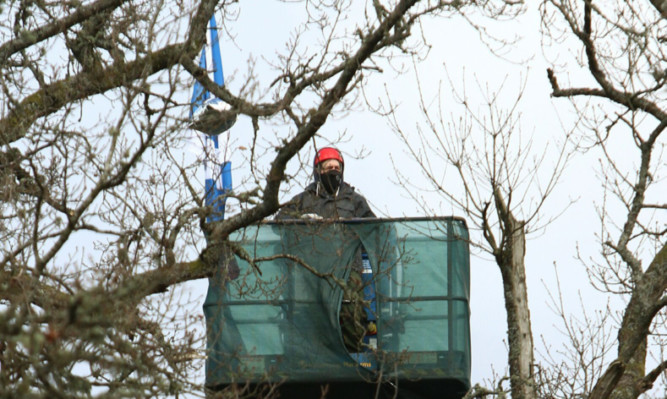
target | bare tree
[
  {"x": 624, "y": 63},
  {"x": 501, "y": 189},
  {"x": 617, "y": 50},
  {"x": 100, "y": 215}
]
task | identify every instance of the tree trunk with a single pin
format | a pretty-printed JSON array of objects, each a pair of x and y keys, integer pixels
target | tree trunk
[
  {"x": 510, "y": 258},
  {"x": 644, "y": 304},
  {"x": 629, "y": 386}
]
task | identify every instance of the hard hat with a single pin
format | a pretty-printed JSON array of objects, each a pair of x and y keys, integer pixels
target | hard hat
[{"x": 327, "y": 153}]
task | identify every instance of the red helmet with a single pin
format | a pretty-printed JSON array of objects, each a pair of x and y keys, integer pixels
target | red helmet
[{"x": 327, "y": 153}]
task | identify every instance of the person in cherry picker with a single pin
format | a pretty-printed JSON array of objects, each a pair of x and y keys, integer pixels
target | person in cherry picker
[{"x": 330, "y": 197}]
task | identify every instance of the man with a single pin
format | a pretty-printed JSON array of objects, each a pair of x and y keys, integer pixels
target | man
[
  {"x": 332, "y": 198},
  {"x": 328, "y": 196}
]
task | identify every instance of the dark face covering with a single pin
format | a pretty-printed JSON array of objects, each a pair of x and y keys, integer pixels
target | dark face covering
[{"x": 331, "y": 180}]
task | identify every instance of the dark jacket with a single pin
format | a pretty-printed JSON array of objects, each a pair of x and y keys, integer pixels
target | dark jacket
[{"x": 347, "y": 204}]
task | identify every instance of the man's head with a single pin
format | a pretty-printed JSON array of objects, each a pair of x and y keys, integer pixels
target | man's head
[{"x": 328, "y": 169}]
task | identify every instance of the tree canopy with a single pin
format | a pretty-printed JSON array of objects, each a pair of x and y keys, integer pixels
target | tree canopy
[{"x": 103, "y": 212}]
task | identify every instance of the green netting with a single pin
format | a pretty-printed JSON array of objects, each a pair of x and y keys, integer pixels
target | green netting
[{"x": 282, "y": 324}]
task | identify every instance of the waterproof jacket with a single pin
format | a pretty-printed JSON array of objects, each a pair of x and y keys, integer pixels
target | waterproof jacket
[{"x": 347, "y": 204}]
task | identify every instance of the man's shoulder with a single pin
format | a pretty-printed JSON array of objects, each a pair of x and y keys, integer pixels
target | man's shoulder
[
  {"x": 362, "y": 209},
  {"x": 309, "y": 190},
  {"x": 349, "y": 190},
  {"x": 294, "y": 207}
]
